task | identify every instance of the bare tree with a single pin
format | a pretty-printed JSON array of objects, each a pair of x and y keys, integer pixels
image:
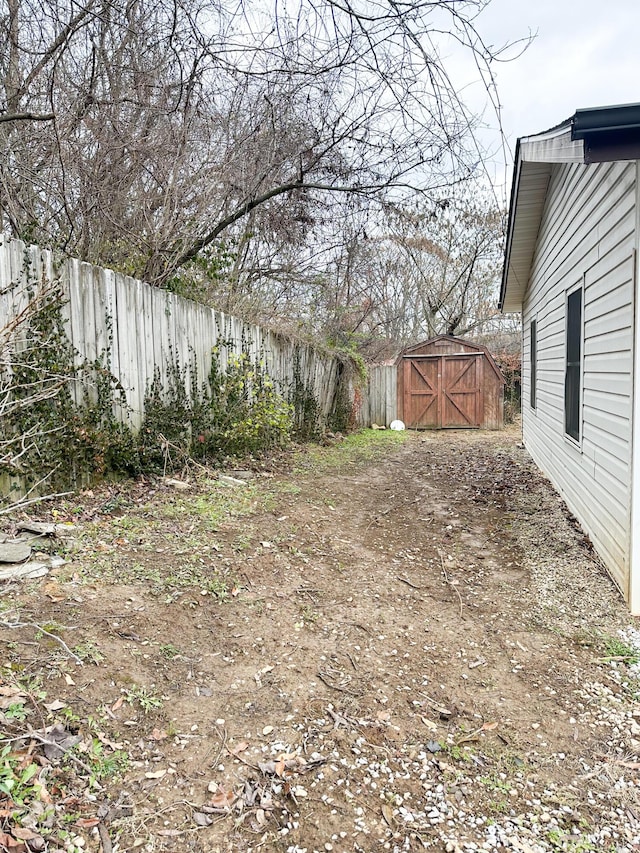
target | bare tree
[
  {"x": 140, "y": 133},
  {"x": 424, "y": 271},
  {"x": 454, "y": 257}
]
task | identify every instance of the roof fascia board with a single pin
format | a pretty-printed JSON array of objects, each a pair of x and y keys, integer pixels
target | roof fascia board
[
  {"x": 517, "y": 167},
  {"x": 555, "y": 147}
]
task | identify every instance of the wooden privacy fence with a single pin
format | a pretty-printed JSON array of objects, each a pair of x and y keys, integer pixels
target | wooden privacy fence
[
  {"x": 141, "y": 332},
  {"x": 379, "y": 399}
]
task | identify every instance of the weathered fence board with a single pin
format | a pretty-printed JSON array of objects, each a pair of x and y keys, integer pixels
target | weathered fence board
[
  {"x": 139, "y": 331},
  {"x": 380, "y": 403}
]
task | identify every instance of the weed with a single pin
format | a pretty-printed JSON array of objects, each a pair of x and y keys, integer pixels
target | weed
[
  {"x": 357, "y": 447},
  {"x": 586, "y": 639},
  {"x": 169, "y": 651},
  {"x": 105, "y": 766},
  {"x": 616, "y": 649},
  {"x": 88, "y": 652},
  {"x": 457, "y": 752},
  {"x": 560, "y": 840},
  {"x": 16, "y": 711},
  {"x": 18, "y": 782},
  {"x": 495, "y": 782},
  {"x": 145, "y": 699},
  {"x": 72, "y": 720},
  {"x": 236, "y": 411},
  {"x": 289, "y": 489},
  {"x": 51, "y": 627},
  {"x": 241, "y": 543},
  {"x": 309, "y": 614},
  {"x": 497, "y": 806}
]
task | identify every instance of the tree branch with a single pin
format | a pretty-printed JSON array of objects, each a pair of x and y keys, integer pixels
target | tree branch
[{"x": 26, "y": 117}]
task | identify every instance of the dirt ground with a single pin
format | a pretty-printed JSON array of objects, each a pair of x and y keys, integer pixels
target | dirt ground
[{"x": 398, "y": 642}]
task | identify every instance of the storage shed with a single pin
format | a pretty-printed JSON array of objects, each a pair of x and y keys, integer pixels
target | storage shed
[
  {"x": 449, "y": 383},
  {"x": 571, "y": 268}
]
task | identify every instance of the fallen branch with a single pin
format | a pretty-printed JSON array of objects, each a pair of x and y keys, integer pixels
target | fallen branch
[
  {"x": 21, "y": 504},
  {"x": 46, "y": 633},
  {"x": 408, "y": 583},
  {"x": 62, "y": 749},
  {"x": 104, "y": 838},
  {"x": 337, "y": 687},
  {"x": 451, "y": 583}
]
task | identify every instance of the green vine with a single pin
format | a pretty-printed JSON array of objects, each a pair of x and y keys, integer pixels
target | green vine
[
  {"x": 237, "y": 412},
  {"x": 307, "y": 414},
  {"x": 61, "y": 417},
  {"x": 57, "y": 427}
]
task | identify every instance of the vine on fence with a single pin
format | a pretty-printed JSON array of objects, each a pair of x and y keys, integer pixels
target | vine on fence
[
  {"x": 61, "y": 416},
  {"x": 236, "y": 412},
  {"x": 306, "y": 408},
  {"x": 57, "y": 421}
]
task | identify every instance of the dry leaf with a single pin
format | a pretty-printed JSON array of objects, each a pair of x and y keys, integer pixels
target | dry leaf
[
  {"x": 387, "y": 814},
  {"x": 118, "y": 704},
  {"x": 156, "y": 774},
  {"x": 239, "y": 747},
  {"x": 429, "y": 724},
  {"x": 158, "y": 734},
  {"x": 223, "y": 799},
  {"x": 8, "y": 701},
  {"x": 23, "y": 833},
  {"x": 105, "y": 740},
  {"x": 44, "y": 795},
  {"x": 69, "y": 681},
  {"x": 12, "y": 843},
  {"x": 489, "y": 727},
  {"x": 87, "y": 822},
  {"x": 56, "y": 705},
  {"x": 53, "y": 591}
]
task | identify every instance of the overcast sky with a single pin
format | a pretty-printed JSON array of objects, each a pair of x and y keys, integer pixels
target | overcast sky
[{"x": 585, "y": 54}]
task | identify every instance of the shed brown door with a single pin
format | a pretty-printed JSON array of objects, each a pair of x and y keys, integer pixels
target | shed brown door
[
  {"x": 443, "y": 391},
  {"x": 422, "y": 393},
  {"x": 461, "y": 390}
]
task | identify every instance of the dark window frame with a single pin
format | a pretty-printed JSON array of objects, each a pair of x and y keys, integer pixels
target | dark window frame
[
  {"x": 573, "y": 364},
  {"x": 533, "y": 362}
]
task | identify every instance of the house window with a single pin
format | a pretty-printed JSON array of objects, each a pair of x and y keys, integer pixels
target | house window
[
  {"x": 533, "y": 355},
  {"x": 573, "y": 373}
]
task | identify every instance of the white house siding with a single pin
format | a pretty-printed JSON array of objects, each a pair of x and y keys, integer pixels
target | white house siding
[{"x": 587, "y": 234}]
